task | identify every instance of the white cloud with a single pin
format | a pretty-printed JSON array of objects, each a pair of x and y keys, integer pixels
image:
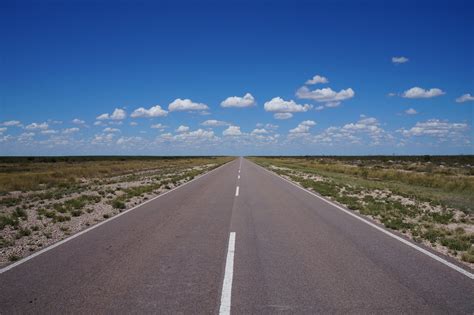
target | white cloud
[
  {"x": 158, "y": 126},
  {"x": 282, "y": 116},
  {"x": 214, "y": 123},
  {"x": 399, "y": 60},
  {"x": 129, "y": 141},
  {"x": 155, "y": 111},
  {"x": 2, "y": 130},
  {"x": 325, "y": 95},
  {"x": 26, "y": 136},
  {"x": 182, "y": 128},
  {"x": 133, "y": 123},
  {"x": 465, "y": 98},
  {"x": 186, "y": 105},
  {"x": 118, "y": 114},
  {"x": 411, "y": 111},
  {"x": 11, "y": 123},
  {"x": 417, "y": 92},
  {"x": 49, "y": 132},
  {"x": 103, "y": 138},
  {"x": 436, "y": 128},
  {"x": 317, "y": 79},
  {"x": 236, "y": 101},
  {"x": 355, "y": 133},
  {"x": 271, "y": 126},
  {"x": 232, "y": 131},
  {"x": 320, "y": 107},
  {"x": 108, "y": 129},
  {"x": 37, "y": 126},
  {"x": 279, "y": 105},
  {"x": 303, "y": 127},
  {"x": 391, "y": 94},
  {"x": 260, "y": 131},
  {"x": 192, "y": 136},
  {"x": 78, "y": 121},
  {"x": 332, "y": 104},
  {"x": 70, "y": 130}
]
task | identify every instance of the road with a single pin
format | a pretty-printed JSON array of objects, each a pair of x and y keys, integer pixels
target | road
[{"x": 209, "y": 247}]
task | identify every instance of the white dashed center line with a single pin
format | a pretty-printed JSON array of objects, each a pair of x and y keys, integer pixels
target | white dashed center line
[
  {"x": 228, "y": 275},
  {"x": 237, "y": 191}
]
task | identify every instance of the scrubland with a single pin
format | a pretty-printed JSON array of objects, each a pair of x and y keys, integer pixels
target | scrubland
[
  {"x": 45, "y": 199},
  {"x": 429, "y": 199}
]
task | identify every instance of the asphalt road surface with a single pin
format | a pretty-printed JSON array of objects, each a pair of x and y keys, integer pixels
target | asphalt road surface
[{"x": 241, "y": 241}]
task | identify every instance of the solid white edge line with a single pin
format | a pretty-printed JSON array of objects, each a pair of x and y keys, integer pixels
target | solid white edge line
[
  {"x": 23, "y": 260},
  {"x": 398, "y": 238},
  {"x": 226, "y": 295},
  {"x": 237, "y": 191}
]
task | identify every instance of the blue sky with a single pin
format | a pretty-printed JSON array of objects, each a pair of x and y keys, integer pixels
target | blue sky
[{"x": 393, "y": 78}]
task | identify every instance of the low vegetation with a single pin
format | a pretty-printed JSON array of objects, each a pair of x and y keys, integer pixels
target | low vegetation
[
  {"x": 429, "y": 199},
  {"x": 44, "y": 199}
]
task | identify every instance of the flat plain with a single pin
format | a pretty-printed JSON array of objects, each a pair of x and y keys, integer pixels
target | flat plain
[
  {"x": 427, "y": 198},
  {"x": 46, "y": 199}
]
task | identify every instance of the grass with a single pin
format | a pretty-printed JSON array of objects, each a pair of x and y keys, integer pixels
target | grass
[
  {"x": 443, "y": 183},
  {"x": 56, "y": 190},
  {"x": 34, "y": 173}
]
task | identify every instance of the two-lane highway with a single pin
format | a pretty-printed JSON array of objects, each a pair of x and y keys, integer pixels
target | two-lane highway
[{"x": 239, "y": 240}]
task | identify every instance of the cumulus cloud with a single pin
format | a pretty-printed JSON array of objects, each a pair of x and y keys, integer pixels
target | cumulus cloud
[
  {"x": 108, "y": 129},
  {"x": 317, "y": 79},
  {"x": 78, "y": 121},
  {"x": 277, "y": 104},
  {"x": 199, "y": 135},
  {"x": 303, "y": 127},
  {"x": 2, "y": 130},
  {"x": 129, "y": 141},
  {"x": 260, "y": 131},
  {"x": 399, "y": 60},
  {"x": 11, "y": 123},
  {"x": 37, "y": 126},
  {"x": 355, "y": 133},
  {"x": 155, "y": 111},
  {"x": 411, "y": 111},
  {"x": 103, "y": 138},
  {"x": 236, "y": 101},
  {"x": 465, "y": 98},
  {"x": 436, "y": 128},
  {"x": 186, "y": 105},
  {"x": 232, "y": 131},
  {"x": 158, "y": 126},
  {"x": 214, "y": 123},
  {"x": 133, "y": 123},
  {"x": 48, "y": 132},
  {"x": 391, "y": 94},
  {"x": 117, "y": 114},
  {"x": 417, "y": 92},
  {"x": 282, "y": 116},
  {"x": 182, "y": 128},
  {"x": 70, "y": 130},
  {"x": 325, "y": 95}
]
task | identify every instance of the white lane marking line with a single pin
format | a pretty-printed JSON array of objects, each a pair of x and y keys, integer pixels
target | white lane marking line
[
  {"x": 238, "y": 176},
  {"x": 228, "y": 275},
  {"x": 4, "y": 269},
  {"x": 237, "y": 191},
  {"x": 398, "y": 238}
]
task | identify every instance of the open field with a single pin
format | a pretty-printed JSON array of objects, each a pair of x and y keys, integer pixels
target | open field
[
  {"x": 45, "y": 199},
  {"x": 429, "y": 199}
]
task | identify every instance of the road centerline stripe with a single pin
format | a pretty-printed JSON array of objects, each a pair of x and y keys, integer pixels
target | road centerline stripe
[
  {"x": 228, "y": 276},
  {"x": 237, "y": 191}
]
